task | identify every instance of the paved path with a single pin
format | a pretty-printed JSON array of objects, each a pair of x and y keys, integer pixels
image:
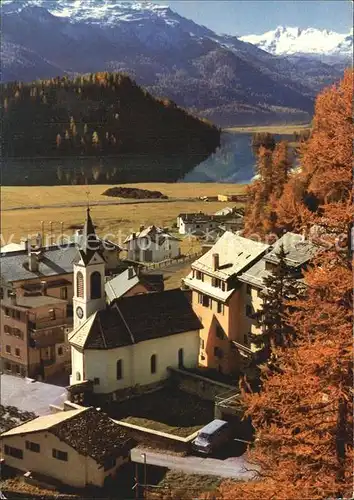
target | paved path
[
  {"x": 96, "y": 203},
  {"x": 233, "y": 467}
]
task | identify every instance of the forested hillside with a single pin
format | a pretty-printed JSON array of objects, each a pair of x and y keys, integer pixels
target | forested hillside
[{"x": 102, "y": 115}]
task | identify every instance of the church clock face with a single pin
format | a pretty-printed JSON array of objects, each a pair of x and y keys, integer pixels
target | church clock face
[{"x": 79, "y": 312}]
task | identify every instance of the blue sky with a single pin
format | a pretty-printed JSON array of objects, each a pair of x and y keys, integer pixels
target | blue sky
[{"x": 242, "y": 17}]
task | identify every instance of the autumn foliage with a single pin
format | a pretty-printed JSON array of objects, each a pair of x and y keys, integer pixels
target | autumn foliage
[{"x": 303, "y": 413}]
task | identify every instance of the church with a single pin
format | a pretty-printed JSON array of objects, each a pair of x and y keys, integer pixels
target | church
[{"x": 128, "y": 342}]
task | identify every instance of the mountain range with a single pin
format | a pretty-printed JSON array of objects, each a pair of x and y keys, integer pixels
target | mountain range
[
  {"x": 221, "y": 77},
  {"x": 313, "y": 42}
]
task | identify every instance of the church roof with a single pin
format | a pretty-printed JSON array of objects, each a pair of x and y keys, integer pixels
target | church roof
[{"x": 135, "y": 319}]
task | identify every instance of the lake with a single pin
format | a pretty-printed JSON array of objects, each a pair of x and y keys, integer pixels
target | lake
[{"x": 233, "y": 162}]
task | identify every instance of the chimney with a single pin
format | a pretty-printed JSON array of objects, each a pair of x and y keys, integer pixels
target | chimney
[
  {"x": 44, "y": 287},
  {"x": 13, "y": 298},
  {"x": 141, "y": 228},
  {"x": 39, "y": 240},
  {"x": 24, "y": 243},
  {"x": 215, "y": 261},
  {"x": 32, "y": 261},
  {"x": 130, "y": 272}
]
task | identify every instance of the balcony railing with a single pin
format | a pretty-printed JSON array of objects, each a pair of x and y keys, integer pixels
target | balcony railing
[{"x": 44, "y": 323}]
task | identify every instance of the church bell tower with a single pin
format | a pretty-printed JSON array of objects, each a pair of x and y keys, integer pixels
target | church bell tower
[{"x": 89, "y": 275}]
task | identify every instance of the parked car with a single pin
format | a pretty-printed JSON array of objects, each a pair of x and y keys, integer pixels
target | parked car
[{"x": 211, "y": 437}]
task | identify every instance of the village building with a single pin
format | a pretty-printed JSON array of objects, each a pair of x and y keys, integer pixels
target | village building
[
  {"x": 152, "y": 244},
  {"x": 134, "y": 339},
  {"x": 218, "y": 299},
  {"x": 200, "y": 224},
  {"x": 299, "y": 253},
  {"x": 133, "y": 281},
  {"x": 35, "y": 292},
  {"x": 79, "y": 448}
]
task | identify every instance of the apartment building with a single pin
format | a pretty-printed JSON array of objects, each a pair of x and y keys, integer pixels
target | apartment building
[{"x": 219, "y": 300}]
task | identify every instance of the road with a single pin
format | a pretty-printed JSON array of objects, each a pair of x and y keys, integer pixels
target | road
[
  {"x": 232, "y": 467},
  {"x": 97, "y": 203}
]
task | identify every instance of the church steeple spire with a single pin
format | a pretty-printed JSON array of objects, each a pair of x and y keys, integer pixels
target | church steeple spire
[{"x": 90, "y": 242}]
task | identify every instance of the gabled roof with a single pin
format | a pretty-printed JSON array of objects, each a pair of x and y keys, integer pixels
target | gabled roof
[
  {"x": 33, "y": 301},
  {"x": 138, "y": 318},
  {"x": 121, "y": 284},
  {"x": 255, "y": 274},
  {"x": 88, "y": 431},
  {"x": 298, "y": 250},
  {"x": 235, "y": 255},
  {"x": 155, "y": 233}
]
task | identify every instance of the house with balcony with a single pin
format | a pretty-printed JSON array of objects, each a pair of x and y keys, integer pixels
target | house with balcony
[
  {"x": 34, "y": 331},
  {"x": 299, "y": 254},
  {"x": 218, "y": 299}
]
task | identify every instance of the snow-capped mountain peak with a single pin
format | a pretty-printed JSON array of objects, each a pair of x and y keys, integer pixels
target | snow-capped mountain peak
[{"x": 289, "y": 40}]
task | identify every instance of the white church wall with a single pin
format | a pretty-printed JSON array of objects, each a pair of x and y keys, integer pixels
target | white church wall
[{"x": 136, "y": 361}]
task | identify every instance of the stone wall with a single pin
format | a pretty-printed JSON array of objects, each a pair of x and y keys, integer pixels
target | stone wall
[{"x": 201, "y": 386}]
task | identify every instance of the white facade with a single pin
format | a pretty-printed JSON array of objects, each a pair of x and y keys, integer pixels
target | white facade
[
  {"x": 84, "y": 305},
  {"x": 100, "y": 366},
  {"x": 145, "y": 250}
]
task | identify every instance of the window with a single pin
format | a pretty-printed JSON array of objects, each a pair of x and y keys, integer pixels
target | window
[
  {"x": 79, "y": 285},
  {"x": 17, "y": 314},
  {"x": 249, "y": 290},
  {"x": 205, "y": 300},
  {"x": 211, "y": 303},
  {"x": 60, "y": 351},
  {"x": 200, "y": 276},
  {"x": 17, "y": 369},
  {"x": 153, "y": 363},
  {"x": 219, "y": 332},
  {"x": 64, "y": 293},
  {"x": 95, "y": 285},
  {"x": 221, "y": 307},
  {"x": 119, "y": 369},
  {"x": 8, "y": 349},
  {"x": 218, "y": 352},
  {"x": 96, "y": 381},
  {"x": 109, "y": 464},
  {"x": 180, "y": 358},
  {"x": 17, "y": 352},
  {"x": 60, "y": 455},
  {"x": 9, "y": 293},
  {"x": 8, "y": 367},
  {"x": 7, "y": 329},
  {"x": 216, "y": 282},
  {"x": 7, "y": 311},
  {"x": 202, "y": 343},
  {"x": 51, "y": 313},
  {"x": 78, "y": 376},
  {"x": 1, "y": 293},
  {"x": 33, "y": 446},
  {"x": 13, "y": 452},
  {"x": 249, "y": 311}
]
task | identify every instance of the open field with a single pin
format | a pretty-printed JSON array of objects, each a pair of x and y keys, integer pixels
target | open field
[
  {"x": 116, "y": 221},
  {"x": 38, "y": 196},
  {"x": 272, "y": 129}
]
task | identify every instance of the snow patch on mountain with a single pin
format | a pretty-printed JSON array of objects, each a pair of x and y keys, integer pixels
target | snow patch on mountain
[{"x": 293, "y": 40}]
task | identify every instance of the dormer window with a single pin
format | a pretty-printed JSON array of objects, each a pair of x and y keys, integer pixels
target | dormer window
[{"x": 200, "y": 276}]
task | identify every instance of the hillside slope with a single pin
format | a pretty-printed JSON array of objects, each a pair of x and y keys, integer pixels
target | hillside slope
[{"x": 101, "y": 116}]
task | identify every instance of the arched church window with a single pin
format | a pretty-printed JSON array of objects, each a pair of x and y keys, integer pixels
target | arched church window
[
  {"x": 95, "y": 285},
  {"x": 119, "y": 367},
  {"x": 79, "y": 285},
  {"x": 153, "y": 363}
]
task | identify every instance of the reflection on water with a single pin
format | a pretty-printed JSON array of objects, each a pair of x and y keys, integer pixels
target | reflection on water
[{"x": 233, "y": 162}]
